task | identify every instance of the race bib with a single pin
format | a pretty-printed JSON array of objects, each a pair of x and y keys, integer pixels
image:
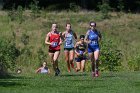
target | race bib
[
  {"x": 68, "y": 42},
  {"x": 54, "y": 44},
  {"x": 81, "y": 52},
  {"x": 94, "y": 42}
]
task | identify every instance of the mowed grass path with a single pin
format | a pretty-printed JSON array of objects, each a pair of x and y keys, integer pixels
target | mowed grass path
[{"x": 124, "y": 82}]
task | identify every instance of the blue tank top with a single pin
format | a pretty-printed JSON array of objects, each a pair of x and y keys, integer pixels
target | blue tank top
[
  {"x": 93, "y": 37},
  {"x": 69, "y": 40}
]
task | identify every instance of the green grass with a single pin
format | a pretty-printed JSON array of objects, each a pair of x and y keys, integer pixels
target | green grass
[{"x": 124, "y": 82}]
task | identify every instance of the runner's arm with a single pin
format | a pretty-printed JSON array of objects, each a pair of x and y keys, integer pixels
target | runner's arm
[
  {"x": 99, "y": 35},
  {"x": 86, "y": 37},
  {"x": 49, "y": 71},
  {"x": 85, "y": 49},
  {"x": 47, "y": 39},
  {"x": 38, "y": 70},
  {"x": 76, "y": 48},
  {"x": 75, "y": 36},
  {"x": 61, "y": 38}
]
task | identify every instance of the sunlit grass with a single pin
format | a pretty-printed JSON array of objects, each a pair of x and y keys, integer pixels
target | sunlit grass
[{"x": 123, "y": 82}]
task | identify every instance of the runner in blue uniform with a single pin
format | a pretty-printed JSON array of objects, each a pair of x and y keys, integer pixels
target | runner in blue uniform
[
  {"x": 69, "y": 38},
  {"x": 92, "y": 38}
]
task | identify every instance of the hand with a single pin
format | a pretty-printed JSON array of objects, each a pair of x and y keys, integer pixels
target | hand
[
  {"x": 78, "y": 54},
  {"x": 60, "y": 43},
  {"x": 81, "y": 52}
]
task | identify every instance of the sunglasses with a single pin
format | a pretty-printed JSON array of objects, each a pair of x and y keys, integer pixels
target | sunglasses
[
  {"x": 82, "y": 38},
  {"x": 92, "y": 25}
]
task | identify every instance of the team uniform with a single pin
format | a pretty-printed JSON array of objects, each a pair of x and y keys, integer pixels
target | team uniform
[
  {"x": 69, "y": 41},
  {"x": 55, "y": 39},
  {"x": 93, "y": 38},
  {"x": 81, "y": 48}
]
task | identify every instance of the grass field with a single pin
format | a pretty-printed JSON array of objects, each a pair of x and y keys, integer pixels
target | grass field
[{"x": 121, "y": 82}]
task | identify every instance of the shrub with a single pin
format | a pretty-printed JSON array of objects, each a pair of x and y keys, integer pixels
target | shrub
[
  {"x": 110, "y": 56},
  {"x": 8, "y": 55},
  {"x": 104, "y": 9},
  {"x": 134, "y": 63},
  {"x": 120, "y": 5},
  {"x": 73, "y": 7},
  {"x": 25, "y": 39},
  {"x": 16, "y": 15},
  {"x": 12, "y": 14},
  {"x": 41, "y": 55},
  {"x": 20, "y": 14},
  {"x": 34, "y": 9}
]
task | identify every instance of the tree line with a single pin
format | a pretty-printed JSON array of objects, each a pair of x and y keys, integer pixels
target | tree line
[{"x": 116, "y": 5}]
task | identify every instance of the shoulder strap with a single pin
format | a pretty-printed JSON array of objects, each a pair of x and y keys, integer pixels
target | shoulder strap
[
  {"x": 88, "y": 32},
  {"x": 99, "y": 34},
  {"x": 49, "y": 35}
]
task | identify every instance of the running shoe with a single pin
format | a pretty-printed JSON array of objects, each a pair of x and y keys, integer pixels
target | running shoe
[
  {"x": 93, "y": 74},
  {"x": 97, "y": 73},
  {"x": 57, "y": 72}
]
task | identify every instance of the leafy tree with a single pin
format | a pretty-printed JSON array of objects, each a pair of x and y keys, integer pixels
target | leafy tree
[
  {"x": 104, "y": 9},
  {"x": 132, "y": 5}
]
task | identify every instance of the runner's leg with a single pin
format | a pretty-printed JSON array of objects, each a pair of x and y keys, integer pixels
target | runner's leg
[
  {"x": 66, "y": 52},
  {"x": 83, "y": 65},
  {"x": 71, "y": 57},
  {"x": 55, "y": 58},
  {"x": 51, "y": 59},
  {"x": 96, "y": 57}
]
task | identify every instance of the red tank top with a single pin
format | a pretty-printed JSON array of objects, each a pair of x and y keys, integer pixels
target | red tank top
[{"x": 54, "y": 38}]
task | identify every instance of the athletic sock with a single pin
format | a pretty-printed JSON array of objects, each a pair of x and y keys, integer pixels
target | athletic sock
[{"x": 72, "y": 65}]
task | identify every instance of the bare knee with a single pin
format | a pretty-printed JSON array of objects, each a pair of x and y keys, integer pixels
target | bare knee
[
  {"x": 71, "y": 60},
  {"x": 77, "y": 69}
]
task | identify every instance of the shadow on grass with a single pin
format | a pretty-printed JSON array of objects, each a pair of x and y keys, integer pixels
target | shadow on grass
[
  {"x": 77, "y": 74},
  {"x": 10, "y": 80},
  {"x": 14, "y": 77},
  {"x": 137, "y": 84},
  {"x": 10, "y": 83},
  {"x": 109, "y": 76}
]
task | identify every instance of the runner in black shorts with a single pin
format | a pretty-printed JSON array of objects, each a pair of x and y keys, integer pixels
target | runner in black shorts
[{"x": 80, "y": 51}]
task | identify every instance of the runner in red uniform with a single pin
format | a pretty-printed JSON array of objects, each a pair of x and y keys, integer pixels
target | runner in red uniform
[{"x": 54, "y": 40}]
